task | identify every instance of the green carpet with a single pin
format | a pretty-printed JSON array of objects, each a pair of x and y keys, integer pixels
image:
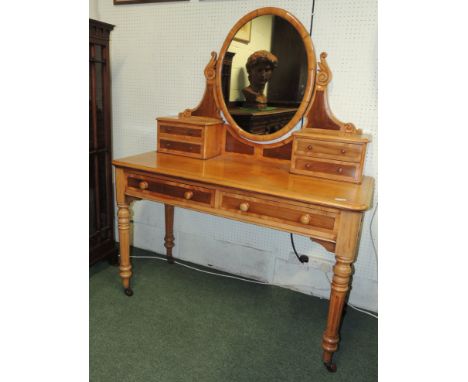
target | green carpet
[{"x": 183, "y": 325}]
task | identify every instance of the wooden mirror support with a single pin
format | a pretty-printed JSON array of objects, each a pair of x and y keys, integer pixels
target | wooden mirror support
[{"x": 325, "y": 147}]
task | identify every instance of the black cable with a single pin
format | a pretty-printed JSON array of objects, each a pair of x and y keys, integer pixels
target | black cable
[
  {"x": 312, "y": 17},
  {"x": 302, "y": 258}
]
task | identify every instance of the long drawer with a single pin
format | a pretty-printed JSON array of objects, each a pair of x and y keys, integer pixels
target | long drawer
[
  {"x": 166, "y": 189},
  {"x": 290, "y": 217}
]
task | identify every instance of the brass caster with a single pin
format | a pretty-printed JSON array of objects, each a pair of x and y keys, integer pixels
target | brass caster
[{"x": 331, "y": 367}]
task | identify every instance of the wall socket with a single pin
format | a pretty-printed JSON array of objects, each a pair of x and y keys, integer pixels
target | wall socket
[{"x": 315, "y": 262}]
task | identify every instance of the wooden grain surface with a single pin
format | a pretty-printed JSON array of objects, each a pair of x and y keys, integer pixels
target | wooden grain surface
[{"x": 256, "y": 176}]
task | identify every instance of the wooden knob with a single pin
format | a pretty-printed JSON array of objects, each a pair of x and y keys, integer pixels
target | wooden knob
[
  {"x": 309, "y": 147},
  {"x": 244, "y": 206},
  {"x": 168, "y": 145},
  {"x": 308, "y": 165},
  {"x": 340, "y": 170},
  {"x": 188, "y": 195},
  {"x": 305, "y": 219},
  {"x": 143, "y": 185},
  {"x": 343, "y": 151}
]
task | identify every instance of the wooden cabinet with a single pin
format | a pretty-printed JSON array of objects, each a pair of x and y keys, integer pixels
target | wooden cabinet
[{"x": 101, "y": 205}]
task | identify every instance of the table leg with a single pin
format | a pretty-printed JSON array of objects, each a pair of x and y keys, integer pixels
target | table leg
[
  {"x": 125, "y": 267},
  {"x": 345, "y": 254},
  {"x": 169, "y": 237},
  {"x": 123, "y": 218}
]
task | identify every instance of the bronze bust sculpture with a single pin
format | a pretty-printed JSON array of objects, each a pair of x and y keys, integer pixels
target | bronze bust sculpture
[{"x": 260, "y": 66}]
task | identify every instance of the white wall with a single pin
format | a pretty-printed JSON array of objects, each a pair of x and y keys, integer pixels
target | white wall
[{"x": 158, "y": 54}]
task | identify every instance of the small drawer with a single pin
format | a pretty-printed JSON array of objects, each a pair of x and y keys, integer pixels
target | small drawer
[
  {"x": 170, "y": 146},
  {"x": 172, "y": 190},
  {"x": 329, "y": 150},
  {"x": 182, "y": 131},
  {"x": 292, "y": 217},
  {"x": 328, "y": 169}
]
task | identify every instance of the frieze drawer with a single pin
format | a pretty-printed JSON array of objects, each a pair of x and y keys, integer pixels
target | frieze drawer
[
  {"x": 168, "y": 189},
  {"x": 293, "y": 218}
]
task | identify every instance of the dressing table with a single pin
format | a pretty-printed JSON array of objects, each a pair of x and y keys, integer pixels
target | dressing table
[{"x": 308, "y": 182}]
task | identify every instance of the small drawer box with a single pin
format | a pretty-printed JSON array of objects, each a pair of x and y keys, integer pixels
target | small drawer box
[
  {"x": 196, "y": 137},
  {"x": 329, "y": 154}
]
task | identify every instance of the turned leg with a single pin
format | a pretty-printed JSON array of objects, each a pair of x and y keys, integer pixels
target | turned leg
[
  {"x": 125, "y": 267},
  {"x": 169, "y": 237},
  {"x": 339, "y": 289},
  {"x": 345, "y": 254}
]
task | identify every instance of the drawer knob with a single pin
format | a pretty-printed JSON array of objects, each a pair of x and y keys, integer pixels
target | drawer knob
[
  {"x": 244, "y": 206},
  {"x": 343, "y": 151},
  {"x": 305, "y": 219},
  {"x": 168, "y": 144},
  {"x": 308, "y": 165},
  {"x": 340, "y": 170},
  {"x": 188, "y": 195},
  {"x": 309, "y": 147},
  {"x": 143, "y": 185}
]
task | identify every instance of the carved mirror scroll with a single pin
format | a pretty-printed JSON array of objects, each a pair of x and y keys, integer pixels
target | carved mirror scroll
[{"x": 265, "y": 75}]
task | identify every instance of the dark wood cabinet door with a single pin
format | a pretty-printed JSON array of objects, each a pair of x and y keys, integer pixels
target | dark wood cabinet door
[{"x": 101, "y": 205}]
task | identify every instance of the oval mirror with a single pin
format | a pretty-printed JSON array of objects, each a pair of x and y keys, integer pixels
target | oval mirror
[{"x": 265, "y": 82}]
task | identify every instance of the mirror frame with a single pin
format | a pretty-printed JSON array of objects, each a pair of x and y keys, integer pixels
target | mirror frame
[{"x": 310, "y": 84}]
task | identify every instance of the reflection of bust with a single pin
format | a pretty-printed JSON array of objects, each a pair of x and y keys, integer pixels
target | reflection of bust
[{"x": 260, "y": 67}]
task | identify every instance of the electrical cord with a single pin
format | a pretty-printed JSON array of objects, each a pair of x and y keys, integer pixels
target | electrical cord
[
  {"x": 244, "y": 279},
  {"x": 352, "y": 306},
  {"x": 363, "y": 311},
  {"x": 201, "y": 270},
  {"x": 301, "y": 258},
  {"x": 312, "y": 18},
  {"x": 372, "y": 237}
]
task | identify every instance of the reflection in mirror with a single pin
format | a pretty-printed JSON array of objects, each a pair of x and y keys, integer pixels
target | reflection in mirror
[
  {"x": 260, "y": 66},
  {"x": 264, "y": 74}
]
